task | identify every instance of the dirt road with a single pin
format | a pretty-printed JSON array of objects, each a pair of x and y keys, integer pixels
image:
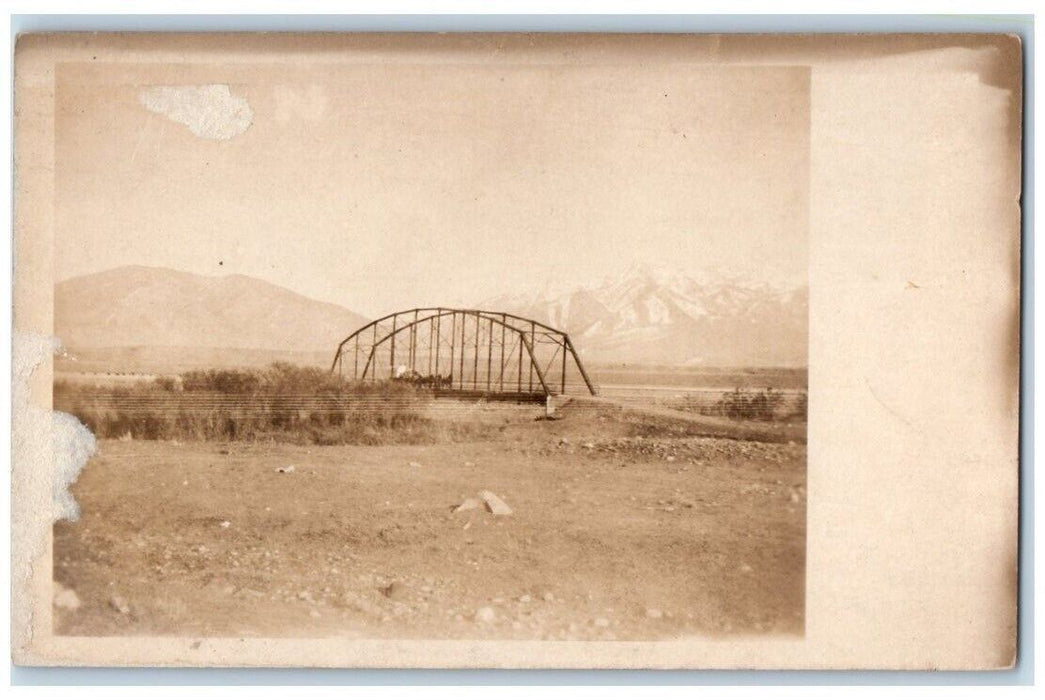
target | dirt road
[{"x": 619, "y": 530}]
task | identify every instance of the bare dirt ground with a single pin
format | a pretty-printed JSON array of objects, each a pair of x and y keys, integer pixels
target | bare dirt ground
[{"x": 623, "y": 527}]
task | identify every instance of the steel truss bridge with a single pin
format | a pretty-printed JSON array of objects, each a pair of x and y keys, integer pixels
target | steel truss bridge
[{"x": 465, "y": 352}]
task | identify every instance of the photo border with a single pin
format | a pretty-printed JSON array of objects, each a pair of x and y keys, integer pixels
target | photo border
[{"x": 1022, "y": 26}]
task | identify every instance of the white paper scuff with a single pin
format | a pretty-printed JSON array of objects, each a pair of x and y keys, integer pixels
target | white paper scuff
[{"x": 209, "y": 111}]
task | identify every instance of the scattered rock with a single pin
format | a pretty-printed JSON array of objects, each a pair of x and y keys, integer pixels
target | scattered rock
[
  {"x": 745, "y": 568},
  {"x": 494, "y": 504},
  {"x": 564, "y": 441},
  {"x": 588, "y": 445},
  {"x": 654, "y": 613},
  {"x": 548, "y": 597},
  {"x": 414, "y": 465},
  {"x": 119, "y": 605},
  {"x": 225, "y": 523},
  {"x": 393, "y": 590},
  {"x": 525, "y": 599},
  {"x": 469, "y": 464},
  {"x": 468, "y": 504},
  {"x": 485, "y": 615},
  {"x": 289, "y": 469},
  {"x": 66, "y": 599},
  {"x": 602, "y": 622}
]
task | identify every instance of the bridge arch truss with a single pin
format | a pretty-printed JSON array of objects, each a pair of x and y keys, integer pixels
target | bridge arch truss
[{"x": 465, "y": 351}]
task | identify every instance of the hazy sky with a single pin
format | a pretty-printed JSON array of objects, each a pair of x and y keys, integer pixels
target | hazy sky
[{"x": 382, "y": 187}]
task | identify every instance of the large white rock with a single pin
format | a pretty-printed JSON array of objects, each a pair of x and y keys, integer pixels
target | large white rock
[
  {"x": 495, "y": 504},
  {"x": 468, "y": 504}
]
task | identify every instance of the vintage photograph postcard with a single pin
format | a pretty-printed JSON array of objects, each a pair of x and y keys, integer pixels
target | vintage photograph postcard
[{"x": 506, "y": 350}]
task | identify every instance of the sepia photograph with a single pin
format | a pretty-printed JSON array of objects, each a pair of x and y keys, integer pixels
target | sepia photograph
[
  {"x": 517, "y": 350},
  {"x": 521, "y": 353}
]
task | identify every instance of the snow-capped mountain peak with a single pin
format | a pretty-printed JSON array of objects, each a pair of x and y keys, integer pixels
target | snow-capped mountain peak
[{"x": 662, "y": 316}]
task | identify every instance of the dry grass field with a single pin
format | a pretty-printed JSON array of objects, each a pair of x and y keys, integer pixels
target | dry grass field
[{"x": 624, "y": 525}]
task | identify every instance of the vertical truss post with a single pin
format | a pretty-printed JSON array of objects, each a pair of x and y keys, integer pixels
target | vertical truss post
[
  {"x": 475, "y": 362},
  {"x": 564, "y": 365},
  {"x": 392, "y": 356},
  {"x": 489, "y": 354},
  {"x": 355, "y": 361},
  {"x": 533, "y": 363},
  {"x": 373, "y": 349},
  {"x": 431, "y": 330},
  {"x": 463, "y": 324},
  {"x": 438, "y": 342},
  {"x": 413, "y": 343},
  {"x": 518, "y": 375},
  {"x": 533, "y": 360},
  {"x": 453, "y": 338},
  {"x": 504, "y": 325}
]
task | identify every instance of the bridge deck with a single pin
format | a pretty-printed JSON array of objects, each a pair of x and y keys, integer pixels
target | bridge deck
[{"x": 475, "y": 395}]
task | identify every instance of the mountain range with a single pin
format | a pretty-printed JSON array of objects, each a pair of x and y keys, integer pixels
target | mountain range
[
  {"x": 643, "y": 317},
  {"x": 139, "y": 306},
  {"x": 651, "y": 316}
]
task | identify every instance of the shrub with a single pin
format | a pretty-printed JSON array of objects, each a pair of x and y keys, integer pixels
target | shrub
[
  {"x": 801, "y": 409},
  {"x": 282, "y": 402},
  {"x": 226, "y": 381},
  {"x": 168, "y": 383},
  {"x": 748, "y": 405}
]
